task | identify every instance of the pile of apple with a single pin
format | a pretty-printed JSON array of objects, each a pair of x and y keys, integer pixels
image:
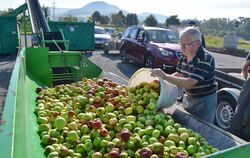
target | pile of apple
[{"x": 99, "y": 118}]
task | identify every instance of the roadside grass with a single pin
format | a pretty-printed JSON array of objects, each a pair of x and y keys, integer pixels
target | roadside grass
[{"x": 217, "y": 42}]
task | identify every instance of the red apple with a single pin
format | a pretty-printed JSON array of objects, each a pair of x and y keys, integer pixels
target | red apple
[
  {"x": 125, "y": 135},
  {"x": 96, "y": 124},
  {"x": 104, "y": 132},
  {"x": 71, "y": 113}
]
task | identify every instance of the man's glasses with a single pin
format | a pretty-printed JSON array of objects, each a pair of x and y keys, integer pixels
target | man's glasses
[{"x": 184, "y": 46}]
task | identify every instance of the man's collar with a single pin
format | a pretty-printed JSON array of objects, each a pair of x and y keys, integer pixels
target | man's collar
[{"x": 200, "y": 53}]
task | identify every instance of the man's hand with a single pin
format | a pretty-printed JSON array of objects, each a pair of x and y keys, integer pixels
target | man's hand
[
  {"x": 157, "y": 73},
  {"x": 245, "y": 68}
]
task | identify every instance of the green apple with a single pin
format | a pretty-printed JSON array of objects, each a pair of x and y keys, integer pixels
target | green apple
[
  {"x": 72, "y": 135},
  {"x": 141, "y": 132},
  {"x": 191, "y": 149},
  {"x": 192, "y": 141},
  {"x": 152, "y": 140},
  {"x": 45, "y": 139},
  {"x": 124, "y": 100},
  {"x": 100, "y": 111},
  {"x": 157, "y": 148},
  {"x": 128, "y": 111},
  {"x": 122, "y": 121},
  {"x": 149, "y": 122},
  {"x": 85, "y": 129},
  {"x": 182, "y": 130},
  {"x": 173, "y": 150},
  {"x": 139, "y": 109},
  {"x": 173, "y": 137},
  {"x": 72, "y": 125},
  {"x": 85, "y": 138},
  {"x": 142, "y": 119},
  {"x": 42, "y": 120},
  {"x": 96, "y": 142},
  {"x": 110, "y": 107},
  {"x": 49, "y": 149},
  {"x": 79, "y": 148},
  {"x": 130, "y": 118},
  {"x": 104, "y": 143},
  {"x": 44, "y": 127},
  {"x": 169, "y": 143},
  {"x": 94, "y": 133},
  {"x": 184, "y": 137},
  {"x": 88, "y": 146},
  {"x": 53, "y": 154},
  {"x": 151, "y": 106},
  {"x": 156, "y": 133},
  {"x": 113, "y": 121},
  {"x": 139, "y": 124},
  {"x": 96, "y": 155},
  {"x": 182, "y": 144},
  {"x": 128, "y": 126},
  {"x": 149, "y": 130},
  {"x": 159, "y": 127}
]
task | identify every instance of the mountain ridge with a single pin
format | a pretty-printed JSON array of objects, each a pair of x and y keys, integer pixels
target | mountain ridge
[{"x": 105, "y": 9}]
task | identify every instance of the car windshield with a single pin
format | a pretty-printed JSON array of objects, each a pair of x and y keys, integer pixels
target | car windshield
[
  {"x": 163, "y": 36},
  {"x": 100, "y": 31}
]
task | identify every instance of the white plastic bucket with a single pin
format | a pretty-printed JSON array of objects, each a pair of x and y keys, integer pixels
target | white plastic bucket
[{"x": 169, "y": 91}]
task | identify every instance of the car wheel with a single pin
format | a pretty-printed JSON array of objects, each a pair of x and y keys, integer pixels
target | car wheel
[
  {"x": 225, "y": 111},
  {"x": 149, "y": 62},
  {"x": 124, "y": 58},
  {"x": 106, "y": 51}
]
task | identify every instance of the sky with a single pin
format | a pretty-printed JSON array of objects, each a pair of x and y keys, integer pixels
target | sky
[{"x": 185, "y": 9}]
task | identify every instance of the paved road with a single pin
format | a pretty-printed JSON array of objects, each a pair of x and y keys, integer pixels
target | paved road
[
  {"x": 228, "y": 61},
  {"x": 6, "y": 66}
]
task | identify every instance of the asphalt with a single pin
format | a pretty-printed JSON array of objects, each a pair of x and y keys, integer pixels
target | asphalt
[{"x": 6, "y": 66}]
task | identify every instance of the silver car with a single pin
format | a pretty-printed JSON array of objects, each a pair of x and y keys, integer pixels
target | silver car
[{"x": 101, "y": 37}]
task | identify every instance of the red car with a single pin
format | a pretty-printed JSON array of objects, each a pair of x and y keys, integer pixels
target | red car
[{"x": 151, "y": 46}]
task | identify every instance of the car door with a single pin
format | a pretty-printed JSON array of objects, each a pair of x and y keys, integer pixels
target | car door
[
  {"x": 141, "y": 46},
  {"x": 132, "y": 43}
]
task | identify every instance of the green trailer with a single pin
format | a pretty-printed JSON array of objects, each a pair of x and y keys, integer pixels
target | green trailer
[
  {"x": 80, "y": 34},
  {"x": 8, "y": 35}
]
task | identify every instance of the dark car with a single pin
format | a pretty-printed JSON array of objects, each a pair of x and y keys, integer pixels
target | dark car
[{"x": 151, "y": 46}]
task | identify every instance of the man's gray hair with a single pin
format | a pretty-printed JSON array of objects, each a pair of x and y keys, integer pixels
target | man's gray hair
[{"x": 191, "y": 32}]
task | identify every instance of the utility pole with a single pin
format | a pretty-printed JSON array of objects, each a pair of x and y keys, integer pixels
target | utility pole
[{"x": 54, "y": 14}]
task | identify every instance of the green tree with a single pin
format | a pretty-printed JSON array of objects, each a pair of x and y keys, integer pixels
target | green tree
[
  {"x": 68, "y": 18},
  {"x": 105, "y": 20},
  {"x": 90, "y": 19},
  {"x": 96, "y": 16},
  {"x": 172, "y": 20},
  {"x": 6, "y": 12},
  {"x": 123, "y": 17},
  {"x": 131, "y": 19},
  {"x": 150, "y": 21},
  {"x": 117, "y": 19}
]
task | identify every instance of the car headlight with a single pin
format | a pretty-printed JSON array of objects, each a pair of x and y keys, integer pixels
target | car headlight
[{"x": 166, "y": 52}]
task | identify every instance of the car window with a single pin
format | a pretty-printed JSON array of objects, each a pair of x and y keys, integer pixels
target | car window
[
  {"x": 163, "y": 36},
  {"x": 133, "y": 33},
  {"x": 100, "y": 31},
  {"x": 127, "y": 33},
  {"x": 141, "y": 34}
]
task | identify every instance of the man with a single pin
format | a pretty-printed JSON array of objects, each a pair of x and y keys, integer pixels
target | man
[
  {"x": 195, "y": 73},
  {"x": 241, "y": 121},
  {"x": 193, "y": 23}
]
